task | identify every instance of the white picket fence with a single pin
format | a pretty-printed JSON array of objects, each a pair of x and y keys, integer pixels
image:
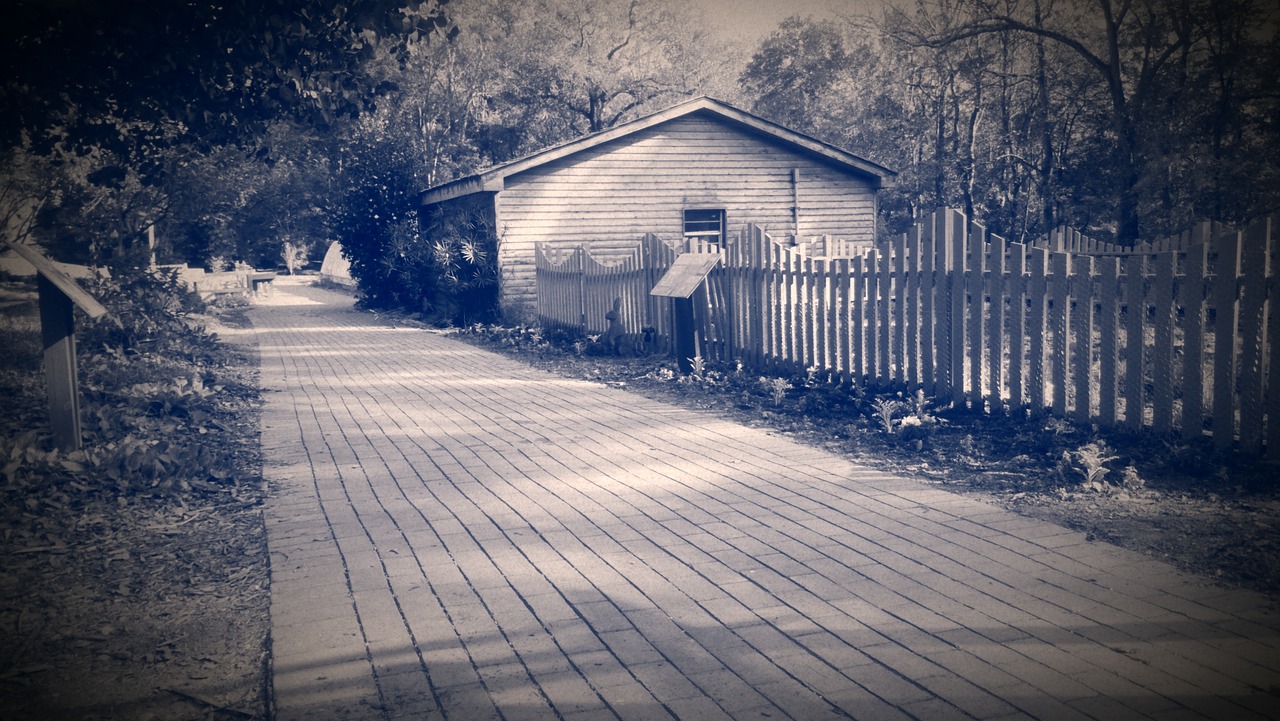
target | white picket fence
[{"x": 1177, "y": 340}]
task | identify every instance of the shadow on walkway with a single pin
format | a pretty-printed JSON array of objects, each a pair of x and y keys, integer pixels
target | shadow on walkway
[{"x": 455, "y": 535}]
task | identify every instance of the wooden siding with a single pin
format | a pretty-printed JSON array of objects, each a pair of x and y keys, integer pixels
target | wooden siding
[{"x": 612, "y": 194}]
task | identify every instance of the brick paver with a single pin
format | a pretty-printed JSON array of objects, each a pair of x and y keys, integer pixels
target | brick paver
[{"x": 454, "y": 535}]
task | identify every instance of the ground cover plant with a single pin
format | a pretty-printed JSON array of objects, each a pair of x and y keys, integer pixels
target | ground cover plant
[
  {"x": 1207, "y": 512},
  {"x": 133, "y": 579}
]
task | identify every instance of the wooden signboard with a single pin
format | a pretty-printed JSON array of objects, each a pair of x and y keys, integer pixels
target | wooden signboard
[
  {"x": 59, "y": 294},
  {"x": 685, "y": 275},
  {"x": 679, "y": 284}
]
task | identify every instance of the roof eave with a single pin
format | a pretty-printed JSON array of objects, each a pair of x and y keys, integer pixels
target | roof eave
[
  {"x": 487, "y": 182},
  {"x": 492, "y": 180},
  {"x": 883, "y": 176}
]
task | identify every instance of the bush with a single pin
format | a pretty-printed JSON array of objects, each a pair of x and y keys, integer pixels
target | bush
[{"x": 148, "y": 309}]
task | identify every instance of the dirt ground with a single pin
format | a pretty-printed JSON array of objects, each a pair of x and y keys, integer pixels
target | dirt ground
[{"x": 120, "y": 600}]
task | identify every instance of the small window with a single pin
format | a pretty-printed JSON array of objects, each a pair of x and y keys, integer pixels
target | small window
[{"x": 706, "y": 225}]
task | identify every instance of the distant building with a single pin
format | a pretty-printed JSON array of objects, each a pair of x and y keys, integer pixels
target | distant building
[
  {"x": 336, "y": 268},
  {"x": 700, "y": 168}
]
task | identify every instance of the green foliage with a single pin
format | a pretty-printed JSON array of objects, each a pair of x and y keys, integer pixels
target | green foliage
[
  {"x": 464, "y": 261},
  {"x": 294, "y": 255},
  {"x": 373, "y": 212},
  {"x": 148, "y": 310},
  {"x": 244, "y": 202},
  {"x": 698, "y": 367},
  {"x": 154, "y": 409},
  {"x": 797, "y": 71},
  {"x": 777, "y": 389},
  {"x": 886, "y": 411},
  {"x": 1091, "y": 461},
  {"x": 219, "y": 68}
]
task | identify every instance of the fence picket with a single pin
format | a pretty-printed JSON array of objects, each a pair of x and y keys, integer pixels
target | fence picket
[
  {"x": 942, "y": 308},
  {"x": 956, "y": 258},
  {"x": 1060, "y": 323},
  {"x": 871, "y": 320},
  {"x": 1253, "y": 335},
  {"x": 1225, "y": 291},
  {"x": 975, "y": 297},
  {"x": 1134, "y": 343},
  {"x": 813, "y": 283},
  {"x": 1165, "y": 307},
  {"x": 884, "y": 305},
  {"x": 911, "y": 343},
  {"x": 832, "y": 361},
  {"x": 795, "y": 305},
  {"x": 996, "y": 290},
  {"x": 1109, "y": 331},
  {"x": 1037, "y": 297},
  {"x": 1162, "y": 338},
  {"x": 1192, "y": 297},
  {"x": 928, "y": 324},
  {"x": 900, "y": 302},
  {"x": 857, "y": 317},
  {"x": 841, "y": 309},
  {"x": 1086, "y": 304},
  {"x": 1271, "y": 401},
  {"x": 1018, "y": 323}
]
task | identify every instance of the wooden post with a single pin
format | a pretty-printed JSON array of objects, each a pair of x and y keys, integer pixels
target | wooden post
[
  {"x": 685, "y": 343},
  {"x": 58, "y": 294},
  {"x": 682, "y": 280},
  {"x": 57, "y": 330}
]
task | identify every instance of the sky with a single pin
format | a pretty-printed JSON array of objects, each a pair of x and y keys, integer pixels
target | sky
[{"x": 754, "y": 19}]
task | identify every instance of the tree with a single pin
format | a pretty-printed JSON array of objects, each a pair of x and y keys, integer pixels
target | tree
[
  {"x": 1130, "y": 45},
  {"x": 1019, "y": 128},
  {"x": 598, "y": 62},
  {"x": 219, "y": 68},
  {"x": 24, "y": 190},
  {"x": 126, "y": 98},
  {"x": 798, "y": 75}
]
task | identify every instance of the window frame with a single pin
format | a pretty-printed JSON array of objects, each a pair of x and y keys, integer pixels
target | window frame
[{"x": 716, "y": 234}]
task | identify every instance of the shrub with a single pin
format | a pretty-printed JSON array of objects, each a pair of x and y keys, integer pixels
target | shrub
[{"x": 148, "y": 308}]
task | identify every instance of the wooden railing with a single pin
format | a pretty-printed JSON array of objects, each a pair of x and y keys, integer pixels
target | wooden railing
[{"x": 1177, "y": 341}]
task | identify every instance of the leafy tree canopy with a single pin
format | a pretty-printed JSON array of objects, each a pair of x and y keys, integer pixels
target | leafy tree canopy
[{"x": 76, "y": 71}]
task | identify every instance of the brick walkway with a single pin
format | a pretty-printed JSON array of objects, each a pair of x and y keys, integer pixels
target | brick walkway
[{"x": 456, "y": 536}]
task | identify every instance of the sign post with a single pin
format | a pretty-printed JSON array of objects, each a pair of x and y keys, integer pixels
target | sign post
[
  {"x": 679, "y": 284},
  {"x": 59, "y": 295}
]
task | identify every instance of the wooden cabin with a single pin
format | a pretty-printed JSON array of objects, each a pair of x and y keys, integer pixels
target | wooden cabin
[{"x": 702, "y": 168}]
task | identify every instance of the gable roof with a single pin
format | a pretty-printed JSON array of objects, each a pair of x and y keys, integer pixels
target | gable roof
[{"x": 492, "y": 179}]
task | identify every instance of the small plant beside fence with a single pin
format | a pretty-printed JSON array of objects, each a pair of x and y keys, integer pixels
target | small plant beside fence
[{"x": 1176, "y": 336}]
